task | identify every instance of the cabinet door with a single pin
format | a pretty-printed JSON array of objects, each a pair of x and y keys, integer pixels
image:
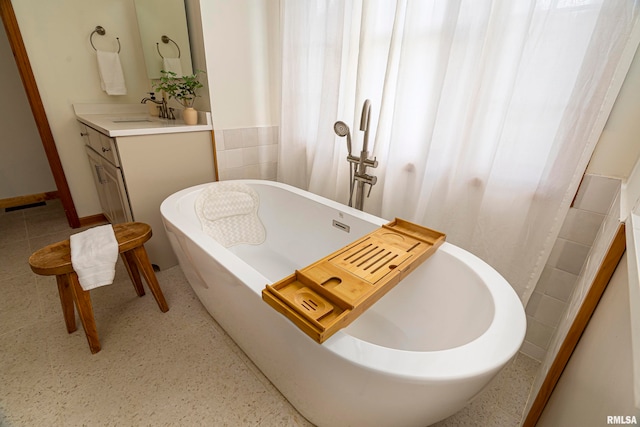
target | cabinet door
[
  {"x": 116, "y": 194},
  {"x": 97, "y": 171},
  {"x": 111, "y": 189}
]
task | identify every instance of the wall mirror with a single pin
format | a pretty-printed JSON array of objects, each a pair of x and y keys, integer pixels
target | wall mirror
[{"x": 164, "y": 36}]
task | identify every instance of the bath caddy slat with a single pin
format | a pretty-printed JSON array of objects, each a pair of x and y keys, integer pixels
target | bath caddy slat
[{"x": 332, "y": 292}]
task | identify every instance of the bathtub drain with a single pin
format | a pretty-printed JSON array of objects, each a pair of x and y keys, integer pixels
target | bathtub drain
[{"x": 341, "y": 226}]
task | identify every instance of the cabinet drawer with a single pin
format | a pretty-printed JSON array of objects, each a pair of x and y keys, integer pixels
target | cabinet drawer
[
  {"x": 108, "y": 149},
  {"x": 91, "y": 137},
  {"x": 101, "y": 143}
]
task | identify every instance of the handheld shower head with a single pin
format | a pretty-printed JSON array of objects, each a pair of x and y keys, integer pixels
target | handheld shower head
[
  {"x": 341, "y": 129},
  {"x": 366, "y": 113},
  {"x": 364, "y": 125}
]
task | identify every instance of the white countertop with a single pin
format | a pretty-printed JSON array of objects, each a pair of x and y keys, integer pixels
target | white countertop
[{"x": 133, "y": 119}]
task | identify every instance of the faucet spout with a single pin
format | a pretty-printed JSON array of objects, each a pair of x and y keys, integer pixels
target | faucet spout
[
  {"x": 164, "y": 112},
  {"x": 360, "y": 175},
  {"x": 145, "y": 100},
  {"x": 364, "y": 123}
]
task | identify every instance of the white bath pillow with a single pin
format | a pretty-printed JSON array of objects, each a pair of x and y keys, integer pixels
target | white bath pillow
[{"x": 228, "y": 212}]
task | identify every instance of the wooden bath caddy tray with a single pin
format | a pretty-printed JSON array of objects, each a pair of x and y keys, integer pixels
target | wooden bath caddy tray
[{"x": 332, "y": 292}]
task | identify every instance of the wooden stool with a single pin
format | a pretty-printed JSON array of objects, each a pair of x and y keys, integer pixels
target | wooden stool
[{"x": 55, "y": 260}]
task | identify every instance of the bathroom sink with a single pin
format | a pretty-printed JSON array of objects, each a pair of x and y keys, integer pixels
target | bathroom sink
[{"x": 131, "y": 120}]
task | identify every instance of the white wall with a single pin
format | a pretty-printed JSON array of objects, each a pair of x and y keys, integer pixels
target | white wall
[
  {"x": 242, "y": 54},
  {"x": 56, "y": 36},
  {"x": 618, "y": 149},
  {"x": 597, "y": 382},
  {"x": 24, "y": 169}
]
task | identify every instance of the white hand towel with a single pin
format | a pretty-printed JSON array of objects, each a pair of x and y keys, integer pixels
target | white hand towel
[
  {"x": 111, "y": 76},
  {"x": 172, "y": 64},
  {"x": 94, "y": 253}
]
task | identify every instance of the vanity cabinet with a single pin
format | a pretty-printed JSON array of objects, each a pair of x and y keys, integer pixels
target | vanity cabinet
[
  {"x": 111, "y": 190},
  {"x": 107, "y": 175},
  {"x": 135, "y": 173}
]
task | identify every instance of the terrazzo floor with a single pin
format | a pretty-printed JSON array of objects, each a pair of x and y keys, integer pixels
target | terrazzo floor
[{"x": 176, "y": 368}]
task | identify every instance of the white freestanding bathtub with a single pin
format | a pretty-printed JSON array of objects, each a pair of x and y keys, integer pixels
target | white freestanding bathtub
[{"x": 417, "y": 356}]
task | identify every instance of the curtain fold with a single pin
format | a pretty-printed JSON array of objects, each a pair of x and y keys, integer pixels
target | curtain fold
[{"x": 483, "y": 112}]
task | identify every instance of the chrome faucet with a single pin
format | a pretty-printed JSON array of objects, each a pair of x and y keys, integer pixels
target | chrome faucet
[
  {"x": 361, "y": 163},
  {"x": 163, "y": 111}
]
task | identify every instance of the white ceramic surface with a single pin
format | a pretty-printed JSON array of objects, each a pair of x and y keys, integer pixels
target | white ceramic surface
[
  {"x": 134, "y": 119},
  {"x": 417, "y": 356}
]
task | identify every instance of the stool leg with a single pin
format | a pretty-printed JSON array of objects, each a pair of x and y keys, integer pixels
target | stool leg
[
  {"x": 143, "y": 263},
  {"x": 66, "y": 299},
  {"x": 85, "y": 310},
  {"x": 134, "y": 274}
]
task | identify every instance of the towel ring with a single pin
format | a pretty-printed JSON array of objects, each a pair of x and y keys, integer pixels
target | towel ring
[
  {"x": 166, "y": 40},
  {"x": 101, "y": 32}
]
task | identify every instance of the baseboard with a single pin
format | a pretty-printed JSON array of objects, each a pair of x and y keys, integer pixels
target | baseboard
[
  {"x": 12, "y": 202},
  {"x": 88, "y": 221}
]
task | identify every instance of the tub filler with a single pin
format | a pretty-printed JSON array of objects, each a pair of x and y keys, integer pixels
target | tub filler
[{"x": 418, "y": 355}]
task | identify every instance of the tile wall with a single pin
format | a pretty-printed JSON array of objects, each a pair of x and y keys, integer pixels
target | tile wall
[
  {"x": 606, "y": 233},
  {"x": 247, "y": 153},
  {"x": 565, "y": 268}
]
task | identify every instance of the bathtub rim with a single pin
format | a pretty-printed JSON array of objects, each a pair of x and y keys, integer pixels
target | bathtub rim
[{"x": 482, "y": 356}]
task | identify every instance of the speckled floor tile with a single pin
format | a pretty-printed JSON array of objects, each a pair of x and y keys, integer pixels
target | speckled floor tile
[
  {"x": 46, "y": 293},
  {"x": 502, "y": 402},
  {"x": 14, "y": 259},
  {"x": 514, "y": 385},
  {"x": 29, "y": 391},
  {"x": 52, "y": 236},
  {"x": 12, "y": 227},
  {"x": 19, "y": 303},
  {"x": 44, "y": 220},
  {"x": 176, "y": 368},
  {"x": 499, "y": 418}
]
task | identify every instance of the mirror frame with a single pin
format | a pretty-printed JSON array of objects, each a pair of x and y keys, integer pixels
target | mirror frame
[{"x": 164, "y": 35}]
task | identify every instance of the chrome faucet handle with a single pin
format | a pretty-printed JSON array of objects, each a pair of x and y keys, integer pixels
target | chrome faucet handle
[
  {"x": 366, "y": 178},
  {"x": 371, "y": 180},
  {"x": 353, "y": 159},
  {"x": 371, "y": 163},
  {"x": 370, "y": 188}
]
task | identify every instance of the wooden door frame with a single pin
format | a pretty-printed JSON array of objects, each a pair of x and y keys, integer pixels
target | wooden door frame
[{"x": 16, "y": 42}]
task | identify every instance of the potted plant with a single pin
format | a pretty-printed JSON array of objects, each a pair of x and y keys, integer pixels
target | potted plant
[{"x": 183, "y": 89}]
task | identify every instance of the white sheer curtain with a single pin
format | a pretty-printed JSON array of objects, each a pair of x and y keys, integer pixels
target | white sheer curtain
[{"x": 484, "y": 113}]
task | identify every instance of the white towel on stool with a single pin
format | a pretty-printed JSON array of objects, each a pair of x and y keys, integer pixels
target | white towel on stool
[
  {"x": 94, "y": 253},
  {"x": 172, "y": 64},
  {"x": 111, "y": 76}
]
